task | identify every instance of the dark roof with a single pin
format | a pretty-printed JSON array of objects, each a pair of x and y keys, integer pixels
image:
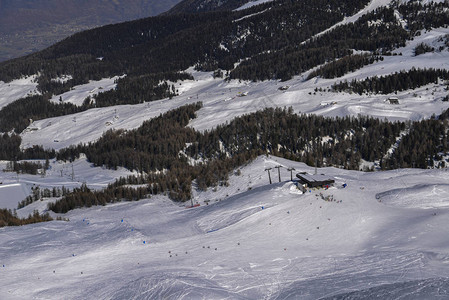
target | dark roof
[{"x": 315, "y": 180}]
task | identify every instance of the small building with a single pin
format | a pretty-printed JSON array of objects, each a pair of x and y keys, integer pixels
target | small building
[
  {"x": 393, "y": 100},
  {"x": 318, "y": 180}
]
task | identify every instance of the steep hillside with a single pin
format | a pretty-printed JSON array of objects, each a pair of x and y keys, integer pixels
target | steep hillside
[
  {"x": 187, "y": 40},
  {"x": 269, "y": 41},
  {"x": 29, "y": 26}
]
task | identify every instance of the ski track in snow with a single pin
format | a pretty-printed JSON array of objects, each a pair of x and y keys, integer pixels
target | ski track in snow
[{"x": 270, "y": 242}]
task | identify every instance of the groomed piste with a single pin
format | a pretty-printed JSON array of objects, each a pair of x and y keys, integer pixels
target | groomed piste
[{"x": 251, "y": 240}]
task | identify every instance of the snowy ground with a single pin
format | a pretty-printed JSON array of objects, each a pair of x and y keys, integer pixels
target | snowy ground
[
  {"x": 253, "y": 241},
  {"x": 221, "y": 101},
  {"x": 78, "y": 94},
  {"x": 16, "y": 89},
  {"x": 15, "y": 188}
]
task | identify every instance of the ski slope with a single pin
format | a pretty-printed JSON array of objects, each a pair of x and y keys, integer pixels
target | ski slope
[
  {"x": 12, "y": 193},
  {"x": 16, "y": 187},
  {"x": 78, "y": 94},
  {"x": 223, "y": 100},
  {"x": 16, "y": 89},
  {"x": 252, "y": 241}
]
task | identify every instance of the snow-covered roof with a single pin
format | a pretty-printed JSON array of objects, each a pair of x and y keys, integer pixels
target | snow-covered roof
[{"x": 317, "y": 178}]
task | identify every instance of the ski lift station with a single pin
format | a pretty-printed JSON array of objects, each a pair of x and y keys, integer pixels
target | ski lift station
[{"x": 317, "y": 180}]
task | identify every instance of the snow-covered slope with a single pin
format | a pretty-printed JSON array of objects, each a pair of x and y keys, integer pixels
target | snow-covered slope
[
  {"x": 12, "y": 193},
  {"x": 252, "y": 3},
  {"x": 15, "y": 188},
  {"x": 373, "y": 5},
  {"x": 16, "y": 89},
  {"x": 78, "y": 94},
  {"x": 253, "y": 241},
  {"x": 221, "y": 101}
]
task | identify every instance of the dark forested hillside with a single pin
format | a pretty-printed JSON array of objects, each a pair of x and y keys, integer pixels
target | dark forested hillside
[
  {"x": 160, "y": 144},
  {"x": 395, "y": 82},
  {"x": 275, "y": 41},
  {"x": 172, "y": 43},
  {"x": 274, "y": 38},
  {"x": 7, "y": 218}
]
